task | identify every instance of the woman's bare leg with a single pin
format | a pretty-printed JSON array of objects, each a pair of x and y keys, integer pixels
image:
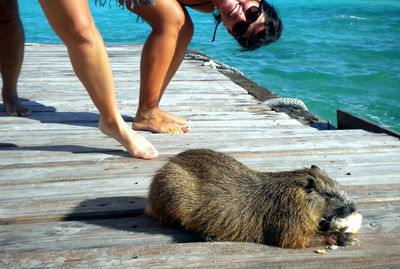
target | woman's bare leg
[
  {"x": 12, "y": 41},
  {"x": 73, "y": 23},
  {"x": 163, "y": 52}
]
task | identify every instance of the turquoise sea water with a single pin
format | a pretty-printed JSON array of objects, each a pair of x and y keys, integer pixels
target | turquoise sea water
[{"x": 332, "y": 54}]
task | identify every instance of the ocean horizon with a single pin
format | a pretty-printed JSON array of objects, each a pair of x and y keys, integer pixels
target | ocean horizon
[{"x": 332, "y": 55}]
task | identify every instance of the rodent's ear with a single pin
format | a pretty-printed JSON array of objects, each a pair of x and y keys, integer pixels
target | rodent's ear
[
  {"x": 309, "y": 183},
  {"x": 315, "y": 167}
]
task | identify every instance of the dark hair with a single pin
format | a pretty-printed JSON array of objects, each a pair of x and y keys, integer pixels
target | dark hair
[{"x": 272, "y": 29}]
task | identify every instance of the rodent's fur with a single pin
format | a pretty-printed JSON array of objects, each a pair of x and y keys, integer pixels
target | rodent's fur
[{"x": 218, "y": 197}]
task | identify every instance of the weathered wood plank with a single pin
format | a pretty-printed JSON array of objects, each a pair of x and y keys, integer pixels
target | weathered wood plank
[
  {"x": 126, "y": 225},
  {"x": 92, "y": 150},
  {"x": 213, "y": 255},
  {"x": 137, "y": 230},
  {"x": 93, "y": 137},
  {"x": 347, "y": 172},
  {"x": 76, "y": 153},
  {"x": 70, "y": 117},
  {"x": 106, "y": 178},
  {"x": 337, "y": 166},
  {"x": 24, "y": 201}
]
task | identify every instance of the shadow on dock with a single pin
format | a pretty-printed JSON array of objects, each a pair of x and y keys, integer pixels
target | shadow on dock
[
  {"x": 49, "y": 114},
  {"x": 126, "y": 213},
  {"x": 65, "y": 148}
]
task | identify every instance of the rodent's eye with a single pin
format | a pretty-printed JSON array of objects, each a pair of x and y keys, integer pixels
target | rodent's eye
[{"x": 328, "y": 195}]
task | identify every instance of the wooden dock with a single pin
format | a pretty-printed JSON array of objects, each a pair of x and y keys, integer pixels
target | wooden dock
[{"x": 72, "y": 197}]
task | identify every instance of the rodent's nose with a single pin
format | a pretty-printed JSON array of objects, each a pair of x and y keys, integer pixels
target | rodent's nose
[
  {"x": 352, "y": 206},
  {"x": 349, "y": 208}
]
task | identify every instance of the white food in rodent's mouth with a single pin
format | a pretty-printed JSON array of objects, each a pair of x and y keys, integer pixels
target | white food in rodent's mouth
[{"x": 352, "y": 223}]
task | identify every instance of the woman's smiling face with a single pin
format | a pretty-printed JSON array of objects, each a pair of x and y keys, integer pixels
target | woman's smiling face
[{"x": 234, "y": 11}]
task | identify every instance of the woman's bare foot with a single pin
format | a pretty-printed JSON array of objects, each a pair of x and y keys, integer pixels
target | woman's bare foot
[
  {"x": 135, "y": 144},
  {"x": 171, "y": 118},
  {"x": 14, "y": 107},
  {"x": 159, "y": 121}
]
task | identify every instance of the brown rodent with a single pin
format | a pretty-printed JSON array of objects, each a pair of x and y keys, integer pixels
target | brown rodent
[{"x": 214, "y": 195}]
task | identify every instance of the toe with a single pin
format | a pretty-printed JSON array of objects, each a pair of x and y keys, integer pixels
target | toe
[
  {"x": 178, "y": 130},
  {"x": 24, "y": 113},
  {"x": 186, "y": 129},
  {"x": 12, "y": 112},
  {"x": 152, "y": 154}
]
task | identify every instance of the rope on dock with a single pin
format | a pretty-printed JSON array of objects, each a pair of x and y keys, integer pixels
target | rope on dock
[
  {"x": 209, "y": 62},
  {"x": 285, "y": 102},
  {"x": 275, "y": 102}
]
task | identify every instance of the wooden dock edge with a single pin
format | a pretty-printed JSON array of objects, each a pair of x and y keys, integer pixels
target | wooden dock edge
[
  {"x": 262, "y": 94},
  {"x": 347, "y": 120}
]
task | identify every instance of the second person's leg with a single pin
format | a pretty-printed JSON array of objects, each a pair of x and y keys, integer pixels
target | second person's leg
[
  {"x": 12, "y": 41},
  {"x": 163, "y": 52}
]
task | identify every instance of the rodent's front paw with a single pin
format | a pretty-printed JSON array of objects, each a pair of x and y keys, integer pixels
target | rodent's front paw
[
  {"x": 208, "y": 238},
  {"x": 344, "y": 239}
]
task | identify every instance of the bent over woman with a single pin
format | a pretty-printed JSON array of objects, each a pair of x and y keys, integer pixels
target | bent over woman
[{"x": 251, "y": 22}]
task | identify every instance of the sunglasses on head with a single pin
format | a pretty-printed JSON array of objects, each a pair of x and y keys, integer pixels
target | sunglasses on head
[
  {"x": 252, "y": 14},
  {"x": 240, "y": 28}
]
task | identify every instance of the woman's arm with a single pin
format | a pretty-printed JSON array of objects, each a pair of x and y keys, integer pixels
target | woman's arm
[{"x": 202, "y": 6}]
